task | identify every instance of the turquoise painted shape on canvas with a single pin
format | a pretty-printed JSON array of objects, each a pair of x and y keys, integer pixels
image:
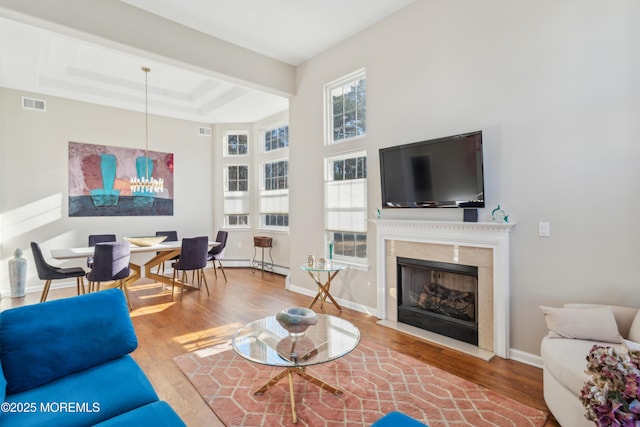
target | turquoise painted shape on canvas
[{"x": 106, "y": 196}]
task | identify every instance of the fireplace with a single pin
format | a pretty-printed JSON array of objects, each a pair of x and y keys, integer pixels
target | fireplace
[
  {"x": 481, "y": 245},
  {"x": 439, "y": 297}
]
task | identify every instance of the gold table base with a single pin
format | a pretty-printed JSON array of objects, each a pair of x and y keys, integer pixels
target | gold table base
[
  {"x": 300, "y": 371},
  {"x": 324, "y": 290}
]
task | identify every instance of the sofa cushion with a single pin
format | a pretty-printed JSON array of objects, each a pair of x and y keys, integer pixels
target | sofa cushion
[
  {"x": 84, "y": 398},
  {"x": 46, "y": 341},
  {"x": 157, "y": 414},
  {"x": 596, "y": 324},
  {"x": 566, "y": 360}
]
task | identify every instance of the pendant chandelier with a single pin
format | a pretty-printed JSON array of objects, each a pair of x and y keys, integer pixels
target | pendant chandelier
[{"x": 144, "y": 184}]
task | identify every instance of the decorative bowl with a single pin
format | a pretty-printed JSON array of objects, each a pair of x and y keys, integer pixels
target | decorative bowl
[
  {"x": 296, "y": 320},
  {"x": 145, "y": 240}
]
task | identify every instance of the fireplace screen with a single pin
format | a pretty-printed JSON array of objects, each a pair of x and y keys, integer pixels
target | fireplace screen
[{"x": 440, "y": 297}]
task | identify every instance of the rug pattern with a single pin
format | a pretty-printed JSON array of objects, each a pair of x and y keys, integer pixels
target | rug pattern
[{"x": 375, "y": 380}]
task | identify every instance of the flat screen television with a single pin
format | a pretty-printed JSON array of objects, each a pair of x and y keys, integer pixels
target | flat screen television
[{"x": 438, "y": 173}]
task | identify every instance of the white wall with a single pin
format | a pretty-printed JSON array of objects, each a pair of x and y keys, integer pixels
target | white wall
[
  {"x": 34, "y": 175},
  {"x": 553, "y": 85}
]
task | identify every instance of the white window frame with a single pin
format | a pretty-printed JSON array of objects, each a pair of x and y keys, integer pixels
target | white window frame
[
  {"x": 263, "y": 137},
  {"x": 237, "y": 202},
  {"x": 225, "y": 144},
  {"x": 227, "y": 221},
  {"x": 354, "y": 210},
  {"x": 328, "y": 115},
  {"x": 266, "y": 195}
]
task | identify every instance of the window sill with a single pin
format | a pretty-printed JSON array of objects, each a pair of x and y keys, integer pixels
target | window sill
[{"x": 353, "y": 265}]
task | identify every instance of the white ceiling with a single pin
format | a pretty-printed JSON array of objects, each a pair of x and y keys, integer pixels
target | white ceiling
[{"x": 292, "y": 31}]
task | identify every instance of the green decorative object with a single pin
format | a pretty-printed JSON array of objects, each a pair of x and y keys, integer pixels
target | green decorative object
[{"x": 498, "y": 215}]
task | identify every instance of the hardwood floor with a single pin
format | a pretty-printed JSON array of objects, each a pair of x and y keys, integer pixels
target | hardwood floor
[{"x": 167, "y": 329}]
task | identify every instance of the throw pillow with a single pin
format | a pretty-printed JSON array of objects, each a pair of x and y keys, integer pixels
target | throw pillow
[
  {"x": 596, "y": 324},
  {"x": 634, "y": 330}
]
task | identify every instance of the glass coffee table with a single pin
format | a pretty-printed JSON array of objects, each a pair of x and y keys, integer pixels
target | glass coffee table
[{"x": 264, "y": 341}]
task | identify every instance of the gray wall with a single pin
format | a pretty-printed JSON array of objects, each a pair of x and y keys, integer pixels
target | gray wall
[
  {"x": 554, "y": 87},
  {"x": 34, "y": 175}
]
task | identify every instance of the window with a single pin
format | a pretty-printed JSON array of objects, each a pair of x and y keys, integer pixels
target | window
[
  {"x": 238, "y": 178},
  {"x": 236, "y": 196},
  {"x": 346, "y": 205},
  {"x": 276, "y": 139},
  {"x": 276, "y": 175},
  {"x": 236, "y": 220},
  {"x": 236, "y": 143},
  {"x": 274, "y": 196},
  {"x": 346, "y": 100}
]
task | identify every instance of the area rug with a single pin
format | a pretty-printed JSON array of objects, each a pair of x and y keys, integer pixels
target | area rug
[{"x": 374, "y": 379}]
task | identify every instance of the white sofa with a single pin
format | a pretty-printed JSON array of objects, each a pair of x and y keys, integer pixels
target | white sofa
[{"x": 573, "y": 330}]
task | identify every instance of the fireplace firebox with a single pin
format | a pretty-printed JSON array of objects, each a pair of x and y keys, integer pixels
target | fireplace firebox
[{"x": 439, "y": 297}]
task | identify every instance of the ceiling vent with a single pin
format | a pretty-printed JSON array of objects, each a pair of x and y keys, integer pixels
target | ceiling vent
[
  {"x": 203, "y": 131},
  {"x": 34, "y": 104}
]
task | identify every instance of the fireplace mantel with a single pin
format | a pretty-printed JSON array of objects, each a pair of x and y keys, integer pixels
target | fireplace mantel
[{"x": 494, "y": 236}]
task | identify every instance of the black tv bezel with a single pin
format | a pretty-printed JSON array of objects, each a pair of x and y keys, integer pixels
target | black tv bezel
[{"x": 471, "y": 204}]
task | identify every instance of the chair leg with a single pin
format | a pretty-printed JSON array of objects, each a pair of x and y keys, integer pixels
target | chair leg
[
  {"x": 173, "y": 283},
  {"x": 80, "y": 285},
  {"x": 125, "y": 289},
  {"x": 213, "y": 261},
  {"x": 206, "y": 285},
  {"x": 182, "y": 282},
  {"x": 45, "y": 291},
  {"x": 221, "y": 268}
]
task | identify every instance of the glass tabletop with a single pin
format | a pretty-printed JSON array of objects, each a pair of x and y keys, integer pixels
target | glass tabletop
[
  {"x": 265, "y": 341},
  {"x": 328, "y": 266}
]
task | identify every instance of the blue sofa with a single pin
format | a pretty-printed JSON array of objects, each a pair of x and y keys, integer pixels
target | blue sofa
[
  {"x": 397, "y": 419},
  {"x": 67, "y": 363}
]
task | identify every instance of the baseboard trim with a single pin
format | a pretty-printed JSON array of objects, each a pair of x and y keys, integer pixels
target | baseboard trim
[{"x": 526, "y": 358}]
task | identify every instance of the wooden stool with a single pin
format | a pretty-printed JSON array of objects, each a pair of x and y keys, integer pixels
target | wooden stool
[{"x": 262, "y": 242}]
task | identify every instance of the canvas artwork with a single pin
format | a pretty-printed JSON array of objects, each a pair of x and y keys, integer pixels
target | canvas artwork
[{"x": 116, "y": 181}]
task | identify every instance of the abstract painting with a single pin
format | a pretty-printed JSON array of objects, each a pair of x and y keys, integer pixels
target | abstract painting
[{"x": 100, "y": 181}]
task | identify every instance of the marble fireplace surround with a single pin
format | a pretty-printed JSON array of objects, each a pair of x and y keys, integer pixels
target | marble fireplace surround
[{"x": 484, "y": 245}]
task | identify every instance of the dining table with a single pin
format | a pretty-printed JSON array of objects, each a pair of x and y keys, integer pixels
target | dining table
[{"x": 164, "y": 251}]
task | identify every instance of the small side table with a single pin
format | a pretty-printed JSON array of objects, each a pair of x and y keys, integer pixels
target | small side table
[
  {"x": 263, "y": 243},
  {"x": 315, "y": 271}
]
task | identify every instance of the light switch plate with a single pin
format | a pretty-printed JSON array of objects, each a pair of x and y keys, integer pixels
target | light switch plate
[{"x": 544, "y": 229}]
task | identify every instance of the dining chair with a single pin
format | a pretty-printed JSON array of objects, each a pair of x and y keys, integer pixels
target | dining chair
[
  {"x": 111, "y": 264},
  {"x": 48, "y": 272},
  {"x": 217, "y": 252},
  {"x": 172, "y": 236},
  {"x": 98, "y": 238},
  {"x": 193, "y": 257}
]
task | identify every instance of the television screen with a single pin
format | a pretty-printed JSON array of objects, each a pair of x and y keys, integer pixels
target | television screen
[{"x": 438, "y": 173}]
